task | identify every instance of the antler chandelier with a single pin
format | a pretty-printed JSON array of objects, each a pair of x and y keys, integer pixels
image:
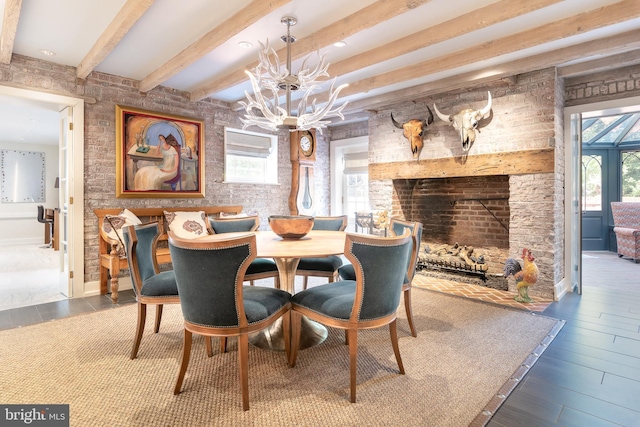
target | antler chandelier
[{"x": 270, "y": 77}]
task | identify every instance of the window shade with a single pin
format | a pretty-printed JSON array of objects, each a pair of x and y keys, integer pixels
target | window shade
[
  {"x": 356, "y": 163},
  {"x": 242, "y": 144}
]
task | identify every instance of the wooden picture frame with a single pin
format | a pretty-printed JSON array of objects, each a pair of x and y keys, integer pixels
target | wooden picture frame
[{"x": 148, "y": 146}]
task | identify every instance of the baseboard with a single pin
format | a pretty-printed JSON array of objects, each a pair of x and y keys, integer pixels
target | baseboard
[
  {"x": 561, "y": 289},
  {"x": 93, "y": 288},
  {"x": 22, "y": 241}
]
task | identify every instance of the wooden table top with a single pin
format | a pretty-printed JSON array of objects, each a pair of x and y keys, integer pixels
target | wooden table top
[{"x": 318, "y": 243}]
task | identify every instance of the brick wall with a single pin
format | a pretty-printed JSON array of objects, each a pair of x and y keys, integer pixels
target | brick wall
[
  {"x": 447, "y": 214},
  {"x": 102, "y": 92},
  {"x": 604, "y": 86}
]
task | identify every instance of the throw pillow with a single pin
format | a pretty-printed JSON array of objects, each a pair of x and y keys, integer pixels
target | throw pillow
[
  {"x": 187, "y": 225},
  {"x": 113, "y": 226}
]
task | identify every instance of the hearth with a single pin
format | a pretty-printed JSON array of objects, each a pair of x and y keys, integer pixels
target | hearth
[{"x": 466, "y": 226}]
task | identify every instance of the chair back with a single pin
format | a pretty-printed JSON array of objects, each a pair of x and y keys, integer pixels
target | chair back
[
  {"x": 331, "y": 223},
  {"x": 380, "y": 266},
  {"x": 141, "y": 242},
  {"x": 231, "y": 225},
  {"x": 209, "y": 276},
  {"x": 41, "y": 214},
  {"x": 398, "y": 228},
  {"x": 626, "y": 214}
]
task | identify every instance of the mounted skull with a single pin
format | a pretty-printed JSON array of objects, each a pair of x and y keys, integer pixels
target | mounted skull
[
  {"x": 466, "y": 122},
  {"x": 414, "y": 131}
]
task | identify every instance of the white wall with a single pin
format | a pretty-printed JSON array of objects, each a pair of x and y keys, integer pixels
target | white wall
[{"x": 18, "y": 221}]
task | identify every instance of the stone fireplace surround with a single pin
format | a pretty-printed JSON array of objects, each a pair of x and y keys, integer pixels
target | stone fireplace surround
[{"x": 520, "y": 151}]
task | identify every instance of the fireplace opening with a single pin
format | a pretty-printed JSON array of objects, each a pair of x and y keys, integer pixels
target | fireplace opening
[{"x": 466, "y": 226}]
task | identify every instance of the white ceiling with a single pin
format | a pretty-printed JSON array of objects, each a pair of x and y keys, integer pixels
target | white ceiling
[{"x": 193, "y": 44}]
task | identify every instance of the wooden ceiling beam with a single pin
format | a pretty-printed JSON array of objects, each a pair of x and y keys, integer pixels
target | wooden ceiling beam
[
  {"x": 214, "y": 38},
  {"x": 125, "y": 19},
  {"x": 10, "y": 20},
  {"x": 605, "y": 63},
  {"x": 366, "y": 17},
  {"x": 618, "y": 43},
  {"x": 484, "y": 17},
  {"x": 577, "y": 24}
]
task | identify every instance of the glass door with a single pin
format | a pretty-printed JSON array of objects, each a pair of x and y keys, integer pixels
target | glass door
[
  {"x": 64, "y": 231},
  {"x": 595, "y": 200}
]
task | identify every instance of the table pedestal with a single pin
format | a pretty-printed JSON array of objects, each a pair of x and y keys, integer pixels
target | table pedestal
[{"x": 272, "y": 338}]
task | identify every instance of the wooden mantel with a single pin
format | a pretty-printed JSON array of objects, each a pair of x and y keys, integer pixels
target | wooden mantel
[{"x": 507, "y": 163}]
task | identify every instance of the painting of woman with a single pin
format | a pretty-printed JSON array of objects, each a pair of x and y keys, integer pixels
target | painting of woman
[{"x": 152, "y": 177}]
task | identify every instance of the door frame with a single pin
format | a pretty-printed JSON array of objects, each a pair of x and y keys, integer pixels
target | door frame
[
  {"x": 573, "y": 207},
  {"x": 76, "y": 172}
]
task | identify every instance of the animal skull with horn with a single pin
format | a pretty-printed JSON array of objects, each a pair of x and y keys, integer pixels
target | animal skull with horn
[
  {"x": 414, "y": 131},
  {"x": 466, "y": 122}
]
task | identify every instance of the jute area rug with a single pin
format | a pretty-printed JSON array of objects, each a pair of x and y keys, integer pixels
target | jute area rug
[{"x": 464, "y": 356}]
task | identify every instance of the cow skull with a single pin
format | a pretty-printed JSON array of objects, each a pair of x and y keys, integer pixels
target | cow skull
[
  {"x": 466, "y": 122},
  {"x": 414, "y": 131}
]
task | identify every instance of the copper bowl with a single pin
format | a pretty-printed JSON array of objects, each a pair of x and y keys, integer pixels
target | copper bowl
[{"x": 291, "y": 227}]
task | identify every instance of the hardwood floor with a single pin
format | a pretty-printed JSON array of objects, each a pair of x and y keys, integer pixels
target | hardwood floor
[{"x": 590, "y": 374}]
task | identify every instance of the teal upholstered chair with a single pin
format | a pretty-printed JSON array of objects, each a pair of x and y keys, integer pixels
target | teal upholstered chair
[
  {"x": 327, "y": 266},
  {"x": 215, "y": 303},
  {"x": 398, "y": 227},
  {"x": 149, "y": 284},
  {"x": 371, "y": 301},
  {"x": 260, "y": 268}
]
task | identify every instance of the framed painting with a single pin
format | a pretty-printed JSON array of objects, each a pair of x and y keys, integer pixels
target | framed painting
[{"x": 158, "y": 155}]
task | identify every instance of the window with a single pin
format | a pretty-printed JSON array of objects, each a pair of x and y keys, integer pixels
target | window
[
  {"x": 356, "y": 182},
  {"x": 250, "y": 157},
  {"x": 631, "y": 176},
  {"x": 592, "y": 183}
]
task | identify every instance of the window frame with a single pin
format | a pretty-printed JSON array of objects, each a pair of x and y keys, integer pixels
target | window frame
[{"x": 269, "y": 174}]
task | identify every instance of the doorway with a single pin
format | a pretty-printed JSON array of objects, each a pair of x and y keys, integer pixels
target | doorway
[
  {"x": 580, "y": 184},
  {"x": 71, "y": 162}
]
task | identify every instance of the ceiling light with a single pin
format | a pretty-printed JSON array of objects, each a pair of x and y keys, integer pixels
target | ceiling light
[
  {"x": 245, "y": 44},
  {"x": 47, "y": 52},
  {"x": 341, "y": 43},
  {"x": 268, "y": 75}
]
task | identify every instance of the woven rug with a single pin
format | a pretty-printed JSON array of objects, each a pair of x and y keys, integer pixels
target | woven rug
[{"x": 467, "y": 357}]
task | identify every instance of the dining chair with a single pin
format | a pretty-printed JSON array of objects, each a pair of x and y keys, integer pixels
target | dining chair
[
  {"x": 326, "y": 266},
  {"x": 260, "y": 268},
  {"x": 371, "y": 301},
  {"x": 150, "y": 286},
  {"x": 49, "y": 221},
  {"x": 215, "y": 303},
  {"x": 397, "y": 226}
]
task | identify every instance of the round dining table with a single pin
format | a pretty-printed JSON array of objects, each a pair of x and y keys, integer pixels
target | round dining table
[{"x": 287, "y": 253}]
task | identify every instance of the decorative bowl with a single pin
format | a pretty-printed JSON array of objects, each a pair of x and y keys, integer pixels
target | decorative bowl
[{"x": 291, "y": 227}]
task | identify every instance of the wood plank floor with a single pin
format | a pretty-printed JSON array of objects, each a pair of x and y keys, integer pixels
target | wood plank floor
[{"x": 590, "y": 374}]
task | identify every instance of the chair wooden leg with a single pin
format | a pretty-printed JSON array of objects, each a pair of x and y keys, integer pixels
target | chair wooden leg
[
  {"x": 296, "y": 321},
  {"x": 243, "y": 366},
  {"x": 353, "y": 360},
  {"x": 186, "y": 354},
  {"x": 393, "y": 330},
  {"x": 305, "y": 280},
  {"x": 252, "y": 282},
  {"x": 207, "y": 343},
  {"x": 223, "y": 344},
  {"x": 156, "y": 328},
  {"x": 142, "y": 317},
  {"x": 407, "y": 307}
]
